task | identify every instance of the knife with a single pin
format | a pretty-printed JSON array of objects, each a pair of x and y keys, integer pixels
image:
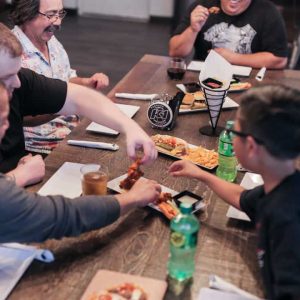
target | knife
[{"x": 97, "y": 145}]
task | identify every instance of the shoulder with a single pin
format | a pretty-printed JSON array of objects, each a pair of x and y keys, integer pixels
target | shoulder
[{"x": 265, "y": 7}]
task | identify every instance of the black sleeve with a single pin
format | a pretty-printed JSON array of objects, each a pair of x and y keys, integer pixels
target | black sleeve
[
  {"x": 274, "y": 37},
  {"x": 285, "y": 254},
  {"x": 41, "y": 95},
  {"x": 27, "y": 217},
  {"x": 248, "y": 201},
  {"x": 186, "y": 21}
]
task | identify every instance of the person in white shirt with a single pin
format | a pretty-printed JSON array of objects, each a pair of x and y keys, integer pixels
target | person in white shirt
[{"x": 35, "y": 25}]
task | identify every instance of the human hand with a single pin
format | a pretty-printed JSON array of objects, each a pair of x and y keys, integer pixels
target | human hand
[
  {"x": 98, "y": 81},
  {"x": 30, "y": 170},
  {"x": 184, "y": 168},
  {"x": 198, "y": 18},
  {"x": 145, "y": 191},
  {"x": 137, "y": 139}
]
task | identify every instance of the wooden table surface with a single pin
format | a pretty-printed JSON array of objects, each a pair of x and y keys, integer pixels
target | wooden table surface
[{"x": 138, "y": 243}]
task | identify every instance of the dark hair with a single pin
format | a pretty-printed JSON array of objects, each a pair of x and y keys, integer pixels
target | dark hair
[
  {"x": 9, "y": 42},
  {"x": 272, "y": 114},
  {"x": 23, "y": 11}
]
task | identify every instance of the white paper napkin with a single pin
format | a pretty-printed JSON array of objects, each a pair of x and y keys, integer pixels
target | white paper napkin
[
  {"x": 14, "y": 260},
  {"x": 211, "y": 294},
  {"x": 218, "y": 283},
  {"x": 135, "y": 96},
  {"x": 237, "y": 70},
  {"x": 216, "y": 67}
]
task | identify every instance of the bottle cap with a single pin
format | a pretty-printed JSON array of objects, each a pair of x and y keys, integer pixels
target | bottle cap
[
  {"x": 229, "y": 124},
  {"x": 186, "y": 208}
]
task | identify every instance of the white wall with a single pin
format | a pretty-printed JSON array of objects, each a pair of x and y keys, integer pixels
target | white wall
[
  {"x": 70, "y": 4},
  {"x": 67, "y": 3},
  {"x": 161, "y": 8},
  {"x": 139, "y": 9}
]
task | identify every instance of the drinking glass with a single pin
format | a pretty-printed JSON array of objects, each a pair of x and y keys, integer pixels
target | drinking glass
[
  {"x": 176, "y": 68},
  {"x": 94, "y": 179}
]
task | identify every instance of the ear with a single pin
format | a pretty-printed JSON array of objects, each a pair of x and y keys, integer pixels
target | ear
[{"x": 252, "y": 147}]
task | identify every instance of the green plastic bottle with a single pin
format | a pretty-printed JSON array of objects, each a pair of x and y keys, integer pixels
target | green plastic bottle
[
  {"x": 183, "y": 242},
  {"x": 227, "y": 160}
]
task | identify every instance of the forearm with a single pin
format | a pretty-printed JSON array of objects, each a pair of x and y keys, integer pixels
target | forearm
[
  {"x": 83, "y": 101},
  {"x": 182, "y": 45},
  {"x": 32, "y": 218},
  {"x": 229, "y": 192},
  {"x": 126, "y": 203},
  {"x": 19, "y": 177},
  {"x": 78, "y": 80},
  {"x": 259, "y": 60}
]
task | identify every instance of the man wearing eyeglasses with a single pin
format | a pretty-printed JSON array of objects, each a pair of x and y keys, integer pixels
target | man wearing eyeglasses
[
  {"x": 244, "y": 32},
  {"x": 35, "y": 25}
]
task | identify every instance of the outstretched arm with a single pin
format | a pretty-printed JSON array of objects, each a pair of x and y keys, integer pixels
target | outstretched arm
[
  {"x": 229, "y": 192},
  {"x": 97, "y": 107}
]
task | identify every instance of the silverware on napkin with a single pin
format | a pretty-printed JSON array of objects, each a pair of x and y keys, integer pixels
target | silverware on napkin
[{"x": 97, "y": 145}]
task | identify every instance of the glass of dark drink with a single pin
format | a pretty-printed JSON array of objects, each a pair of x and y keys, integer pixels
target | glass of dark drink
[{"x": 176, "y": 68}]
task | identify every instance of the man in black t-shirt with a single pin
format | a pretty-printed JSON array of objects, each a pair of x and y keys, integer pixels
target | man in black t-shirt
[
  {"x": 267, "y": 141},
  {"x": 33, "y": 94},
  {"x": 244, "y": 32}
]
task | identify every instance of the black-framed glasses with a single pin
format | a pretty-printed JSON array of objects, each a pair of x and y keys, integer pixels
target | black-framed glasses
[
  {"x": 243, "y": 135},
  {"x": 53, "y": 16}
]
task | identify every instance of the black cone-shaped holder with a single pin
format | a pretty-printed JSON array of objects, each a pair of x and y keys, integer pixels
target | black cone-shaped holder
[{"x": 214, "y": 100}]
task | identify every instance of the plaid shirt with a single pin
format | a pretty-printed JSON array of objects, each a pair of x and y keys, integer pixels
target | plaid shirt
[{"x": 44, "y": 138}]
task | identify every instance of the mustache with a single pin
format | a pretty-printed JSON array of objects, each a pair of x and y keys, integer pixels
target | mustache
[{"x": 52, "y": 28}]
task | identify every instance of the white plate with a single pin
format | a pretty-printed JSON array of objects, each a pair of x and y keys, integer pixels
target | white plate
[
  {"x": 65, "y": 181},
  {"x": 166, "y": 152},
  {"x": 129, "y": 110},
  {"x": 114, "y": 185},
  {"x": 237, "y": 70},
  {"x": 250, "y": 181},
  {"x": 228, "y": 103}
]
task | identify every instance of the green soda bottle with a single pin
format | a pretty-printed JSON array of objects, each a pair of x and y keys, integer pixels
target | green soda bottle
[
  {"x": 183, "y": 242},
  {"x": 227, "y": 160}
]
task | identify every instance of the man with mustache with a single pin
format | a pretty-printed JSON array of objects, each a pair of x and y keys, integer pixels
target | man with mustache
[
  {"x": 28, "y": 217},
  {"x": 244, "y": 32},
  {"x": 36, "y": 22}
]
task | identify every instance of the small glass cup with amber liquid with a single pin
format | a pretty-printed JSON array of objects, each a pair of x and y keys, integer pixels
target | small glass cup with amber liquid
[{"x": 94, "y": 179}]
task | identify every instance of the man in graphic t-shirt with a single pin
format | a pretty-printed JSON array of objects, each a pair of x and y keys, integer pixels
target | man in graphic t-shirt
[{"x": 244, "y": 32}]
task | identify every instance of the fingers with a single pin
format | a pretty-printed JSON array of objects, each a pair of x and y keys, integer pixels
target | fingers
[
  {"x": 100, "y": 81},
  {"x": 150, "y": 152}
]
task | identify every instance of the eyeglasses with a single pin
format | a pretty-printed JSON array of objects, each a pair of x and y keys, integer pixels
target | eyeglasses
[
  {"x": 53, "y": 16},
  {"x": 243, "y": 135}
]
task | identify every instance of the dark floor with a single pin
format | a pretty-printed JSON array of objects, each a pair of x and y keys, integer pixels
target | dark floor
[
  {"x": 113, "y": 46},
  {"x": 110, "y": 46}
]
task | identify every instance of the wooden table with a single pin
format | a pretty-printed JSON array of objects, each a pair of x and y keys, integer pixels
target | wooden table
[{"x": 138, "y": 243}]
